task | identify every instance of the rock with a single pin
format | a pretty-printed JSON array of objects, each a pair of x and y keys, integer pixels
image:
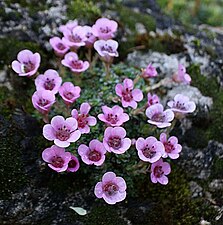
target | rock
[{"x": 196, "y": 190}]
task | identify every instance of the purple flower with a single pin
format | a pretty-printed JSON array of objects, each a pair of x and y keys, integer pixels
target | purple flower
[
  {"x": 104, "y": 28},
  {"x": 159, "y": 171},
  {"x": 182, "y": 76},
  {"x": 50, "y": 81},
  {"x": 182, "y": 104},
  {"x": 149, "y": 72},
  {"x": 75, "y": 37},
  {"x": 69, "y": 92},
  {"x": 115, "y": 141},
  {"x": 89, "y": 35},
  {"x": 159, "y": 117},
  {"x": 69, "y": 26},
  {"x": 172, "y": 148},
  {"x": 73, "y": 164},
  {"x": 58, "y": 46},
  {"x": 152, "y": 99},
  {"x": 56, "y": 158},
  {"x": 112, "y": 189},
  {"x": 43, "y": 100},
  {"x": 71, "y": 61},
  {"x": 107, "y": 49},
  {"x": 94, "y": 154},
  {"x": 27, "y": 64},
  {"x": 129, "y": 96},
  {"x": 84, "y": 120},
  {"x": 114, "y": 116},
  {"x": 149, "y": 149},
  {"x": 62, "y": 131}
]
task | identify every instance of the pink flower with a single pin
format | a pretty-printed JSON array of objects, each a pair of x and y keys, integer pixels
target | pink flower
[
  {"x": 114, "y": 116},
  {"x": 27, "y": 64},
  {"x": 112, "y": 189},
  {"x": 149, "y": 72},
  {"x": 43, "y": 100},
  {"x": 69, "y": 92},
  {"x": 62, "y": 131},
  {"x": 73, "y": 164},
  {"x": 56, "y": 158},
  {"x": 89, "y": 35},
  {"x": 159, "y": 117},
  {"x": 159, "y": 171},
  {"x": 149, "y": 149},
  {"x": 75, "y": 37},
  {"x": 50, "y": 81},
  {"x": 129, "y": 96},
  {"x": 106, "y": 49},
  {"x": 182, "y": 104},
  {"x": 58, "y": 46},
  {"x": 115, "y": 141},
  {"x": 94, "y": 154},
  {"x": 84, "y": 120},
  {"x": 71, "y": 61},
  {"x": 172, "y": 148},
  {"x": 182, "y": 76},
  {"x": 104, "y": 28},
  {"x": 152, "y": 99},
  {"x": 70, "y": 25}
]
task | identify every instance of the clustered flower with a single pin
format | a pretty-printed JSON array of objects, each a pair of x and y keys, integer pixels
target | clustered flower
[{"x": 66, "y": 131}]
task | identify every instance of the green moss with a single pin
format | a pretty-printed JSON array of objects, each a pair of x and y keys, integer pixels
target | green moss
[{"x": 217, "y": 169}]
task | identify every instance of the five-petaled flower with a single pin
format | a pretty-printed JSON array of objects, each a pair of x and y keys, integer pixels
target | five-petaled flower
[
  {"x": 182, "y": 104},
  {"x": 59, "y": 46},
  {"x": 84, "y": 120},
  {"x": 149, "y": 149},
  {"x": 56, "y": 158},
  {"x": 152, "y": 99},
  {"x": 114, "y": 116},
  {"x": 115, "y": 141},
  {"x": 157, "y": 116},
  {"x": 159, "y": 171},
  {"x": 27, "y": 63},
  {"x": 89, "y": 35},
  {"x": 69, "y": 92},
  {"x": 94, "y": 154},
  {"x": 50, "y": 81},
  {"x": 129, "y": 96},
  {"x": 73, "y": 164},
  {"x": 62, "y": 131},
  {"x": 149, "y": 72},
  {"x": 107, "y": 49},
  {"x": 70, "y": 25},
  {"x": 112, "y": 188},
  {"x": 71, "y": 61},
  {"x": 172, "y": 148},
  {"x": 43, "y": 100},
  {"x": 104, "y": 28},
  {"x": 182, "y": 76}
]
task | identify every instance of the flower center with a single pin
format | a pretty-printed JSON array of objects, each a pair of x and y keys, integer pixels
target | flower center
[
  {"x": 127, "y": 95},
  {"x": 107, "y": 48},
  {"x": 63, "y": 133},
  {"x": 43, "y": 102},
  {"x": 72, "y": 163},
  {"x": 114, "y": 142},
  {"x": 110, "y": 189},
  {"x": 49, "y": 84},
  {"x": 88, "y": 35},
  {"x": 168, "y": 147},
  {"x": 82, "y": 120},
  {"x": 149, "y": 152},
  {"x": 105, "y": 30},
  {"x": 69, "y": 95},
  {"x": 77, "y": 64},
  {"x": 75, "y": 38},
  {"x": 57, "y": 161},
  {"x": 60, "y": 46},
  {"x": 180, "y": 105},
  {"x": 158, "y": 172},
  {"x": 27, "y": 67},
  {"x": 112, "y": 118},
  {"x": 94, "y": 155},
  {"x": 158, "y": 117}
]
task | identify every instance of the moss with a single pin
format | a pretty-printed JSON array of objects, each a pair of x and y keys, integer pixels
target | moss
[{"x": 217, "y": 169}]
